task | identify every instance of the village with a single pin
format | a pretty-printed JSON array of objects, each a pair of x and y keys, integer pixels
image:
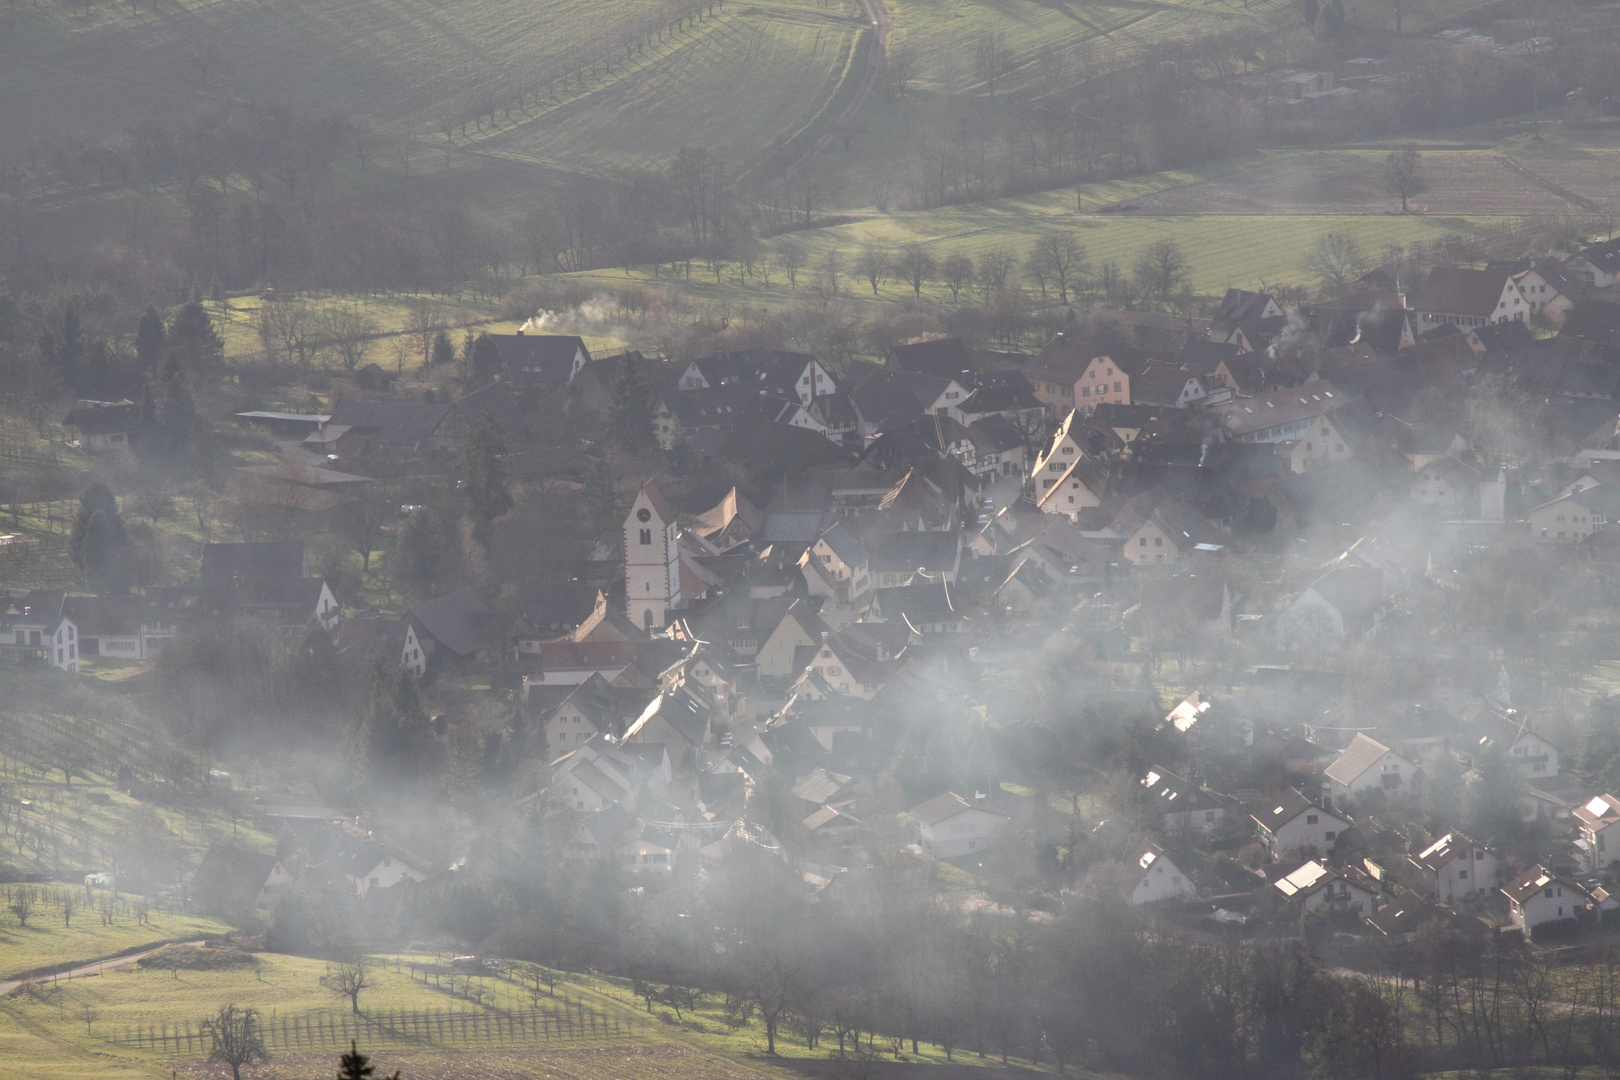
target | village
[{"x": 1219, "y": 539}]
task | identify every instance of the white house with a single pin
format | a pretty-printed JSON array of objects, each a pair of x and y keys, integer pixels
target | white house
[
  {"x": 1598, "y": 265},
  {"x": 1595, "y": 818},
  {"x": 1531, "y": 755},
  {"x": 1540, "y": 896},
  {"x": 374, "y": 867},
  {"x": 1456, "y": 868},
  {"x": 1161, "y": 878},
  {"x": 1293, "y": 822},
  {"x": 1187, "y": 808},
  {"x": 1368, "y": 765},
  {"x": 34, "y": 630},
  {"x": 1343, "y": 604},
  {"x": 1468, "y": 298},
  {"x": 1314, "y": 886},
  {"x": 949, "y": 826}
]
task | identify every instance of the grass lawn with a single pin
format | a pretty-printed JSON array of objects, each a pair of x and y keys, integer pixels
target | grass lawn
[
  {"x": 46, "y": 942},
  {"x": 45, "y": 1035}
]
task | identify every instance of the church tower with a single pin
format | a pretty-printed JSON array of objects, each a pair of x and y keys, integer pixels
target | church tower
[{"x": 652, "y": 580}]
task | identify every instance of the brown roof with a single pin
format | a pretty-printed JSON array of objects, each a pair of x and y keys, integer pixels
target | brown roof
[
  {"x": 1362, "y": 754},
  {"x": 1246, "y": 415},
  {"x": 1599, "y": 812},
  {"x": 656, "y": 497},
  {"x": 1453, "y": 290}
]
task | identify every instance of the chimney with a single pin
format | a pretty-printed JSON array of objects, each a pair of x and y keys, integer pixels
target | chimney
[{"x": 520, "y": 331}]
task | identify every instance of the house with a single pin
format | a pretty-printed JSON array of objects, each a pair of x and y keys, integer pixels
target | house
[
  {"x": 1082, "y": 484},
  {"x": 1598, "y": 265},
  {"x": 1102, "y": 381},
  {"x": 1456, "y": 868},
  {"x": 1457, "y": 297},
  {"x": 652, "y": 577},
  {"x": 946, "y": 358},
  {"x": 1199, "y": 603},
  {"x": 779, "y": 653},
  {"x": 106, "y": 425},
  {"x": 1531, "y": 755},
  {"x": 861, "y": 659},
  {"x": 372, "y": 866},
  {"x": 680, "y": 719},
  {"x": 123, "y": 627},
  {"x": 949, "y": 826},
  {"x": 35, "y": 629},
  {"x": 291, "y": 499},
  {"x": 586, "y": 709},
  {"x": 838, "y": 567},
  {"x": 1343, "y": 603},
  {"x": 1061, "y": 453},
  {"x": 904, "y": 558},
  {"x": 1161, "y": 878},
  {"x": 459, "y": 628},
  {"x": 1295, "y": 823},
  {"x": 1187, "y": 808},
  {"x": 549, "y": 360},
  {"x": 1449, "y": 484},
  {"x": 1241, "y": 306},
  {"x": 1313, "y": 887},
  {"x": 924, "y": 607},
  {"x": 1539, "y": 896},
  {"x": 231, "y": 881},
  {"x": 1170, "y": 532},
  {"x": 227, "y": 565},
  {"x": 407, "y": 426},
  {"x": 1594, "y": 818},
  {"x": 1167, "y": 385},
  {"x": 1551, "y": 290},
  {"x": 775, "y": 373},
  {"x": 1280, "y": 415},
  {"x": 886, "y": 397},
  {"x": 1368, "y": 765},
  {"x": 361, "y": 636},
  {"x": 1570, "y": 518}
]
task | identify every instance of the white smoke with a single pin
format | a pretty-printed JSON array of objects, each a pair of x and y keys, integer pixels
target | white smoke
[{"x": 593, "y": 316}]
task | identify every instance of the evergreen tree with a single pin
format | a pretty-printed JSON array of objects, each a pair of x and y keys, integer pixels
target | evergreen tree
[
  {"x": 98, "y": 543},
  {"x": 444, "y": 350},
  {"x": 483, "y": 356},
  {"x": 64, "y": 346},
  {"x": 356, "y": 1066},
  {"x": 194, "y": 344},
  {"x": 485, "y": 483},
  {"x": 630, "y": 412},
  {"x": 425, "y": 552},
  {"x": 393, "y": 730},
  {"x": 601, "y": 496},
  {"x": 150, "y": 339}
]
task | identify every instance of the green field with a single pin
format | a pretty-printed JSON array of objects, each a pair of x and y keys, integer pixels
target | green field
[
  {"x": 44, "y": 1033},
  {"x": 49, "y": 941}
]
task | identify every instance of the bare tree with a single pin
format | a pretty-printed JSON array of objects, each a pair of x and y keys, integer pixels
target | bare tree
[
  {"x": 916, "y": 267},
  {"x": 1403, "y": 174},
  {"x": 990, "y": 58},
  {"x": 994, "y": 267},
  {"x": 900, "y": 65},
  {"x": 234, "y": 1034},
  {"x": 873, "y": 264},
  {"x": 352, "y": 333},
  {"x": 956, "y": 271},
  {"x": 347, "y": 978},
  {"x": 832, "y": 271},
  {"x": 287, "y": 327},
  {"x": 1161, "y": 270},
  {"x": 790, "y": 257},
  {"x": 423, "y": 321},
  {"x": 1064, "y": 259},
  {"x": 1336, "y": 260}
]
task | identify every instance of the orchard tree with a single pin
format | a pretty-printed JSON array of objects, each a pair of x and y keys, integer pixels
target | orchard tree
[
  {"x": 233, "y": 1033},
  {"x": 1403, "y": 174}
]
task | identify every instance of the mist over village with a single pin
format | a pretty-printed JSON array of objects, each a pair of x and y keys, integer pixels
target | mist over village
[{"x": 810, "y": 540}]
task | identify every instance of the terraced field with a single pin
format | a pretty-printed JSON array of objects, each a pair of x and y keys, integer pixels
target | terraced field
[{"x": 792, "y": 58}]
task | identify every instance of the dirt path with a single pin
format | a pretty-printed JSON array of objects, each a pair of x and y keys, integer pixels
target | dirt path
[
  {"x": 878, "y": 16},
  {"x": 93, "y": 969}
]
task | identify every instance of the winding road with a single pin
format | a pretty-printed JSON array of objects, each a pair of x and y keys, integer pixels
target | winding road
[{"x": 96, "y": 968}]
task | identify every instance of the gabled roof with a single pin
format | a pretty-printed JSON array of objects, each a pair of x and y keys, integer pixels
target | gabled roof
[
  {"x": 1534, "y": 880},
  {"x": 105, "y": 418},
  {"x": 1452, "y": 290},
  {"x": 734, "y": 515},
  {"x": 842, "y": 543},
  {"x": 1240, "y": 305},
  {"x": 230, "y": 878},
  {"x": 1174, "y": 795},
  {"x": 1362, "y": 754},
  {"x": 1444, "y": 851},
  {"x": 944, "y": 807},
  {"x": 1159, "y": 383},
  {"x": 819, "y": 785},
  {"x": 1599, "y": 812},
  {"x": 1307, "y": 879},
  {"x": 946, "y": 358},
  {"x": 391, "y": 423},
  {"x": 223, "y": 564},
  {"x": 1243, "y": 416},
  {"x": 1604, "y": 256},
  {"x": 460, "y": 622},
  {"x": 552, "y": 354},
  {"x": 359, "y": 634},
  {"x": 899, "y": 552},
  {"x": 1147, "y": 854},
  {"x": 1273, "y": 816}
]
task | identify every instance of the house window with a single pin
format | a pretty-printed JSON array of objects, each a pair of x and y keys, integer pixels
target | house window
[
  {"x": 1158, "y": 541},
  {"x": 1142, "y": 541},
  {"x": 1329, "y": 835},
  {"x": 1462, "y": 875},
  {"x": 646, "y": 536},
  {"x": 1310, "y": 819}
]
